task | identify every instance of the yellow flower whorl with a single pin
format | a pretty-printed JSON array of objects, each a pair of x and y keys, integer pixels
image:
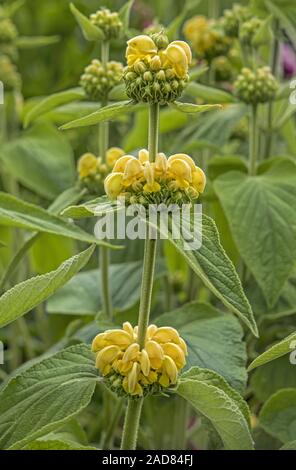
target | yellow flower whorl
[
  {"x": 134, "y": 371},
  {"x": 157, "y": 71},
  {"x": 173, "y": 180}
]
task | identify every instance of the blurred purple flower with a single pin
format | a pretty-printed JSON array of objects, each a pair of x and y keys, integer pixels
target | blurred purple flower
[{"x": 288, "y": 60}]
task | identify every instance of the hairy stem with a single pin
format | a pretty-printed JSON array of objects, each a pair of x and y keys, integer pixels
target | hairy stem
[
  {"x": 134, "y": 407},
  {"x": 253, "y": 144},
  {"x": 104, "y": 252},
  {"x": 131, "y": 424},
  {"x": 274, "y": 57}
]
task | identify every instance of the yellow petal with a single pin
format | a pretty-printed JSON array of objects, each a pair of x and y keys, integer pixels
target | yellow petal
[
  {"x": 155, "y": 353},
  {"x": 142, "y": 44},
  {"x": 164, "y": 380},
  {"x": 186, "y": 49},
  {"x": 145, "y": 362},
  {"x": 180, "y": 169},
  {"x": 113, "y": 185},
  {"x": 106, "y": 356},
  {"x": 132, "y": 170},
  {"x": 133, "y": 377},
  {"x": 99, "y": 342},
  {"x": 176, "y": 353},
  {"x": 170, "y": 369},
  {"x": 185, "y": 157},
  {"x": 87, "y": 165},
  {"x": 118, "y": 337},
  {"x": 152, "y": 188},
  {"x": 161, "y": 164},
  {"x": 183, "y": 346},
  {"x": 113, "y": 154},
  {"x": 166, "y": 334},
  {"x": 121, "y": 163},
  {"x": 150, "y": 331},
  {"x": 128, "y": 328},
  {"x": 177, "y": 57},
  {"x": 131, "y": 353},
  {"x": 143, "y": 156},
  {"x": 199, "y": 180}
]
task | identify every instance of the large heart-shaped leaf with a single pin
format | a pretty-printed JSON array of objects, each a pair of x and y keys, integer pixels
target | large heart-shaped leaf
[
  {"x": 261, "y": 215},
  {"x": 46, "y": 395},
  {"x": 217, "y": 404},
  {"x": 278, "y": 415},
  {"x": 41, "y": 159},
  {"x": 30, "y": 293},
  {"x": 213, "y": 338}
]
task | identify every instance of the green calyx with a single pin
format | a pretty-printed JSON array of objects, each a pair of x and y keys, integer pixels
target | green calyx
[
  {"x": 97, "y": 80},
  {"x": 9, "y": 76},
  {"x": 8, "y": 31},
  {"x": 114, "y": 382},
  {"x": 248, "y": 31},
  {"x": 232, "y": 19},
  {"x": 143, "y": 84},
  {"x": 109, "y": 22},
  {"x": 222, "y": 68},
  {"x": 257, "y": 86}
]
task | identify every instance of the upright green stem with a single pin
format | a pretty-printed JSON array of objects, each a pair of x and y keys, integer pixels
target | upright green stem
[
  {"x": 104, "y": 252},
  {"x": 253, "y": 144},
  {"x": 131, "y": 424},
  {"x": 134, "y": 407},
  {"x": 153, "y": 131},
  {"x": 274, "y": 56},
  {"x": 213, "y": 8}
]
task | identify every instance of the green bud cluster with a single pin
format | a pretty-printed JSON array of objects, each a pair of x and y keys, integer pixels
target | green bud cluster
[
  {"x": 167, "y": 195},
  {"x": 257, "y": 86},
  {"x": 248, "y": 31},
  {"x": 109, "y": 22},
  {"x": 8, "y": 74},
  {"x": 232, "y": 19},
  {"x": 97, "y": 80},
  {"x": 154, "y": 28},
  {"x": 152, "y": 84},
  {"x": 223, "y": 69},
  {"x": 8, "y": 32},
  {"x": 114, "y": 382}
]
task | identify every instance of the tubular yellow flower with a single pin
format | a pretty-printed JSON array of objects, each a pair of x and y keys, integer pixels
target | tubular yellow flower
[
  {"x": 143, "y": 156},
  {"x": 113, "y": 154},
  {"x": 87, "y": 165},
  {"x": 194, "y": 27},
  {"x": 105, "y": 357},
  {"x": 140, "y": 47},
  {"x": 121, "y": 163},
  {"x": 182, "y": 156},
  {"x": 177, "y": 58},
  {"x": 132, "y": 172},
  {"x": 199, "y": 180},
  {"x": 151, "y": 186},
  {"x": 161, "y": 165},
  {"x": 129, "y": 369},
  {"x": 180, "y": 170},
  {"x": 113, "y": 185}
]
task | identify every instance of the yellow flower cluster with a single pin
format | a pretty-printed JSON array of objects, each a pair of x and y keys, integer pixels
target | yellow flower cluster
[
  {"x": 92, "y": 170},
  {"x": 207, "y": 39},
  {"x": 157, "y": 70},
  {"x": 131, "y": 370},
  {"x": 177, "y": 54},
  {"x": 173, "y": 179}
]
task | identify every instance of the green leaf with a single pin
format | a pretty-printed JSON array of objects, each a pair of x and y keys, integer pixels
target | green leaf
[
  {"x": 89, "y": 30},
  {"x": 17, "y": 213},
  {"x": 194, "y": 108},
  {"x": 289, "y": 446},
  {"x": 82, "y": 295},
  {"x": 11, "y": 8},
  {"x": 104, "y": 114},
  {"x": 55, "y": 444},
  {"x": 213, "y": 338},
  {"x": 220, "y": 407},
  {"x": 261, "y": 214},
  {"x": 287, "y": 21},
  {"x": 96, "y": 207},
  {"x": 41, "y": 159},
  {"x": 29, "y": 42},
  {"x": 52, "y": 102},
  {"x": 272, "y": 377},
  {"x": 124, "y": 14},
  {"x": 173, "y": 28},
  {"x": 278, "y": 415},
  {"x": 118, "y": 93},
  {"x": 46, "y": 395},
  {"x": 277, "y": 350},
  {"x": 67, "y": 197},
  {"x": 28, "y": 294},
  {"x": 212, "y": 378},
  {"x": 215, "y": 269},
  {"x": 209, "y": 94}
]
